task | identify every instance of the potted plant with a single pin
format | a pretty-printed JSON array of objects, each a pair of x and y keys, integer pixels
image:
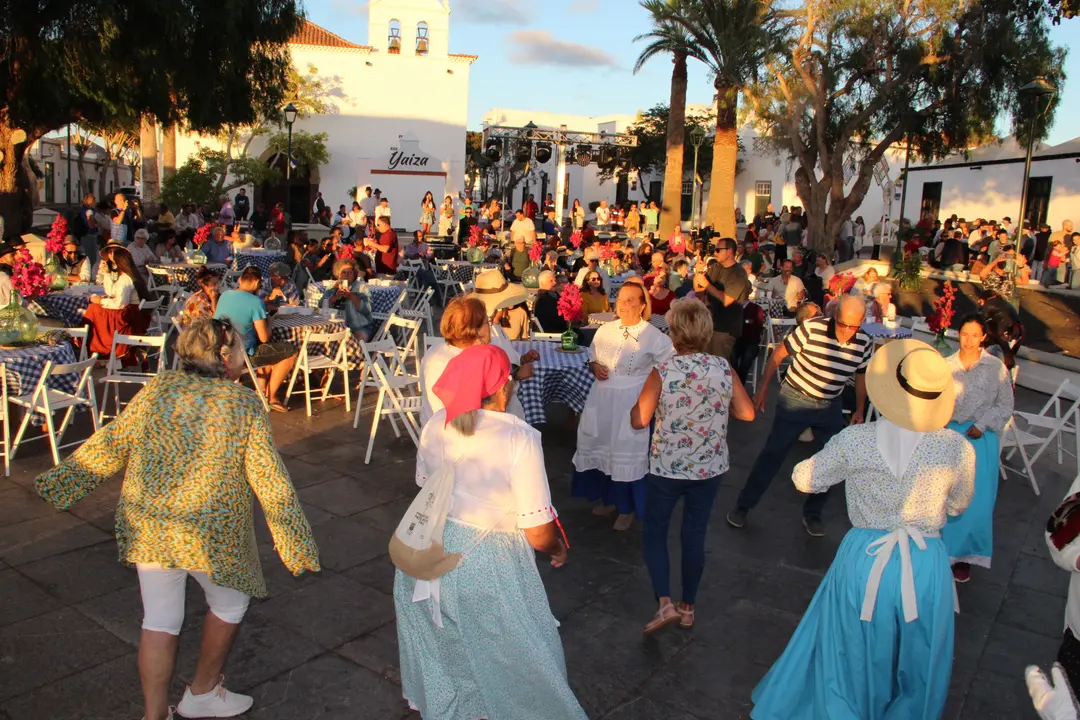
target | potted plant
[{"x": 940, "y": 320}]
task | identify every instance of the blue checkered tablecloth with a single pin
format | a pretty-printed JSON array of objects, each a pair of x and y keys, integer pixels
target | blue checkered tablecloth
[
  {"x": 557, "y": 377},
  {"x": 263, "y": 260},
  {"x": 878, "y": 330},
  {"x": 25, "y": 365},
  {"x": 62, "y": 306},
  {"x": 293, "y": 328},
  {"x": 464, "y": 271},
  {"x": 184, "y": 274},
  {"x": 383, "y": 297}
]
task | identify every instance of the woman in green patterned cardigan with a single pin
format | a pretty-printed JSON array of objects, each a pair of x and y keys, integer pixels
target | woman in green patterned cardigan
[{"x": 196, "y": 447}]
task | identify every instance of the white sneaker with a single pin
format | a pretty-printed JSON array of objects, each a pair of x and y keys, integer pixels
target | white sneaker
[
  {"x": 218, "y": 703},
  {"x": 807, "y": 435}
]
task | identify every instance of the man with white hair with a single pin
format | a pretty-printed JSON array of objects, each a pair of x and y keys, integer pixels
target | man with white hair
[
  {"x": 546, "y": 308},
  {"x": 523, "y": 229},
  {"x": 1063, "y": 235},
  {"x": 141, "y": 253},
  {"x": 603, "y": 216}
]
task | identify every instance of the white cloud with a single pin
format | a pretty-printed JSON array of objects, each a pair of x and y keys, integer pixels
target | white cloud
[
  {"x": 583, "y": 7},
  {"x": 351, "y": 7},
  {"x": 538, "y": 47},
  {"x": 498, "y": 12}
]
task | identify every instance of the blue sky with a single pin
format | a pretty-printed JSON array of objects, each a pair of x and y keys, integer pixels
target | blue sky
[{"x": 576, "y": 56}]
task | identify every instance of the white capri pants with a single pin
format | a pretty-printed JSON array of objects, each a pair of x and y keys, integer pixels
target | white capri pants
[{"x": 163, "y": 598}]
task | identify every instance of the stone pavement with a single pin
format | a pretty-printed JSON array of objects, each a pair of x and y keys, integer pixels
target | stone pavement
[{"x": 325, "y": 646}]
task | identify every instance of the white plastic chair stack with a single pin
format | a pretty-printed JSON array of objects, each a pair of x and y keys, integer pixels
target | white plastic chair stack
[
  {"x": 399, "y": 400},
  {"x": 46, "y": 401},
  {"x": 306, "y": 362},
  {"x": 115, "y": 375},
  {"x": 421, "y": 310}
]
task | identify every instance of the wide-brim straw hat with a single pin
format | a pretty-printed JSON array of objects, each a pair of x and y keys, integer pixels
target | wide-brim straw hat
[
  {"x": 492, "y": 289},
  {"x": 911, "y": 385}
]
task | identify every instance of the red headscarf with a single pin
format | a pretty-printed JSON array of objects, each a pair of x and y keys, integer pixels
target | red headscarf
[{"x": 478, "y": 372}]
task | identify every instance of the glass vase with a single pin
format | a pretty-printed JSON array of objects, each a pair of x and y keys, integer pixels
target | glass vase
[
  {"x": 942, "y": 345},
  {"x": 569, "y": 339},
  {"x": 198, "y": 258},
  {"x": 531, "y": 277},
  {"x": 18, "y": 326},
  {"x": 475, "y": 255},
  {"x": 55, "y": 271}
]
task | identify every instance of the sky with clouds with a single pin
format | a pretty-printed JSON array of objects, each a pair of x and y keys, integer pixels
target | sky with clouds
[{"x": 577, "y": 56}]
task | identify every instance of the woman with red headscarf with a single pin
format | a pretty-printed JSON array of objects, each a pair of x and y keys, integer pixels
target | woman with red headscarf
[{"x": 489, "y": 614}]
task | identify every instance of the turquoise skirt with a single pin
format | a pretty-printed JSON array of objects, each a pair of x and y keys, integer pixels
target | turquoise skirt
[
  {"x": 969, "y": 537},
  {"x": 838, "y": 667},
  {"x": 498, "y": 655}
]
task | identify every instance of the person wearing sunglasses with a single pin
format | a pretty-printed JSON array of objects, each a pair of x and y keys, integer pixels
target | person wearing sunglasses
[
  {"x": 825, "y": 355},
  {"x": 76, "y": 265},
  {"x": 185, "y": 508}
]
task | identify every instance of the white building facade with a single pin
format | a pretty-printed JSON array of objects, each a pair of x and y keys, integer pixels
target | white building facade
[
  {"x": 398, "y": 115},
  {"x": 100, "y": 175}
]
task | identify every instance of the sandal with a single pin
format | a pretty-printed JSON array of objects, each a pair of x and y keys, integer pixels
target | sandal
[
  {"x": 624, "y": 521},
  {"x": 666, "y": 615},
  {"x": 686, "y": 616},
  {"x": 277, "y": 406}
]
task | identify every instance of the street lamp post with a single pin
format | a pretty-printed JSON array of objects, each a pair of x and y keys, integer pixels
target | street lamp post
[
  {"x": 697, "y": 137},
  {"x": 1036, "y": 89},
  {"x": 290, "y": 118}
]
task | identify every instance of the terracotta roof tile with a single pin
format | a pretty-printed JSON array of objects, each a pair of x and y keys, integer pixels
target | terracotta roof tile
[{"x": 311, "y": 34}]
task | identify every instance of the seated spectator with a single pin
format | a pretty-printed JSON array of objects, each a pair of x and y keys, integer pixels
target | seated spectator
[
  {"x": 594, "y": 298},
  {"x": 117, "y": 311},
  {"x": 141, "y": 254},
  {"x": 788, "y": 286},
  {"x": 546, "y": 307},
  {"x": 349, "y": 294},
  {"x": 882, "y": 309},
  {"x": 203, "y": 302},
  {"x": 76, "y": 265},
  {"x": 247, "y": 315},
  {"x": 282, "y": 290}
]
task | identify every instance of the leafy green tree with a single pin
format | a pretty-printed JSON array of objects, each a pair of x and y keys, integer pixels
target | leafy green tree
[
  {"x": 96, "y": 60},
  {"x": 856, "y": 77},
  {"x": 668, "y": 37}
]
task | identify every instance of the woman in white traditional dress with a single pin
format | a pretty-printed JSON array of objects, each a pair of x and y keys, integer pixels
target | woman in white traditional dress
[
  {"x": 480, "y": 641},
  {"x": 984, "y": 404},
  {"x": 447, "y": 217},
  {"x": 876, "y": 642},
  {"x": 464, "y": 323},
  {"x": 612, "y": 458}
]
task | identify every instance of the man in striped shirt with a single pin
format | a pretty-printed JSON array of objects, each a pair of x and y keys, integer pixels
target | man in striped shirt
[{"x": 825, "y": 355}]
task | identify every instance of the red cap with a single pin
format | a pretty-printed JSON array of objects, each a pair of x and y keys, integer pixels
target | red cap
[{"x": 478, "y": 372}]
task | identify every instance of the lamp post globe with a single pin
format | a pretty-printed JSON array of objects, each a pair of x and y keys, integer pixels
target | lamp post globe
[
  {"x": 697, "y": 137},
  {"x": 290, "y": 118},
  {"x": 1036, "y": 90}
]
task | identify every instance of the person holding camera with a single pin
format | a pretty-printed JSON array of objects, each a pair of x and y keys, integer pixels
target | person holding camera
[{"x": 999, "y": 276}]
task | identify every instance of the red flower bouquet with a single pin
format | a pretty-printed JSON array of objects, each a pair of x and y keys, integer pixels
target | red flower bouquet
[
  {"x": 54, "y": 244},
  {"x": 475, "y": 234},
  {"x": 202, "y": 234},
  {"x": 575, "y": 239},
  {"x": 569, "y": 305},
  {"x": 941, "y": 319},
  {"x": 841, "y": 284},
  {"x": 911, "y": 247},
  {"x": 536, "y": 252},
  {"x": 607, "y": 252},
  {"x": 28, "y": 276}
]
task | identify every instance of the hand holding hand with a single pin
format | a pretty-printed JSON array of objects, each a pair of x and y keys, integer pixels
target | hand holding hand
[
  {"x": 599, "y": 371},
  {"x": 525, "y": 371},
  {"x": 857, "y": 417},
  {"x": 531, "y": 356},
  {"x": 760, "y": 398},
  {"x": 974, "y": 433}
]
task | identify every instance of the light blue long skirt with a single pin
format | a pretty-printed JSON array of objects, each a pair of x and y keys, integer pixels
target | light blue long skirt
[
  {"x": 837, "y": 667},
  {"x": 498, "y": 655},
  {"x": 969, "y": 537}
]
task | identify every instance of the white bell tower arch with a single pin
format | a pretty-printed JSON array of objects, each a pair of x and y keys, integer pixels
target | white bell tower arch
[{"x": 410, "y": 27}]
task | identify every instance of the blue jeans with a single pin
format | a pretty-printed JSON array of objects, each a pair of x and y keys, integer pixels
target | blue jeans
[
  {"x": 661, "y": 496},
  {"x": 795, "y": 411}
]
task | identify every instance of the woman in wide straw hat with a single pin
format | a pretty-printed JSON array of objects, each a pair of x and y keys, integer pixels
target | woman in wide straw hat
[
  {"x": 493, "y": 289},
  {"x": 480, "y": 641},
  {"x": 877, "y": 639}
]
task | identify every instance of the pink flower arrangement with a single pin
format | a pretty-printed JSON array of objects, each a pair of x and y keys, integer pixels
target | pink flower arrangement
[
  {"x": 536, "y": 252},
  {"x": 607, "y": 252},
  {"x": 57, "y": 235},
  {"x": 202, "y": 234},
  {"x": 28, "y": 276},
  {"x": 345, "y": 252},
  {"x": 841, "y": 284},
  {"x": 676, "y": 244},
  {"x": 475, "y": 233},
  {"x": 569, "y": 306},
  {"x": 575, "y": 239}
]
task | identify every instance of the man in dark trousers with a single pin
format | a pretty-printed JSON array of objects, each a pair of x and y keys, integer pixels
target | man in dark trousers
[
  {"x": 727, "y": 291},
  {"x": 241, "y": 205}
]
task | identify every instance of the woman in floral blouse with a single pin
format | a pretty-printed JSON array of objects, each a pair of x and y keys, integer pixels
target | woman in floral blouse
[
  {"x": 185, "y": 509},
  {"x": 690, "y": 394},
  {"x": 202, "y": 303}
]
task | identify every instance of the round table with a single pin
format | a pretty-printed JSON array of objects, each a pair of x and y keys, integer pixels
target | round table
[
  {"x": 557, "y": 377},
  {"x": 66, "y": 305},
  {"x": 463, "y": 271},
  {"x": 183, "y": 274},
  {"x": 879, "y": 331},
  {"x": 262, "y": 259},
  {"x": 25, "y": 365},
  {"x": 292, "y": 328},
  {"x": 383, "y": 297}
]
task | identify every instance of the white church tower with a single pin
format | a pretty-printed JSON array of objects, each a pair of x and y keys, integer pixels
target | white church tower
[{"x": 410, "y": 27}]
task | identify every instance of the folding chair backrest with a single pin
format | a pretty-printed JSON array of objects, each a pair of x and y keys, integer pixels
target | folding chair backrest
[
  {"x": 431, "y": 341},
  {"x": 150, "y": 304},
  {"x": 145, "y": 341},
  {"x": 82, "y": 334},
  {"x": 407, "y": 339}
]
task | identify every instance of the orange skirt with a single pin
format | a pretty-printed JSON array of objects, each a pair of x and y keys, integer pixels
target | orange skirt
[{"x": 106, "y": 322}]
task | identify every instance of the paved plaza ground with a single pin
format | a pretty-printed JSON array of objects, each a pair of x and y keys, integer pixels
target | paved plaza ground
[{"x": 325, "y": 646}]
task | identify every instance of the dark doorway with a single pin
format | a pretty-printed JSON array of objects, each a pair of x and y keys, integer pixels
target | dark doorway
[
  {"x": 687, "y": 210},
  {"x": 656, "y": 190},
  {"x": 1038, "y": 200},
  {"x": 622, "y": 189},
  {"x": 301, "y": 196},
  {"x": 931, "y": 200}
]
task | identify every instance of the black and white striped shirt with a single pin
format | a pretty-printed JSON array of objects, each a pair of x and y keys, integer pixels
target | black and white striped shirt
[{"x": 821, "y": 366}]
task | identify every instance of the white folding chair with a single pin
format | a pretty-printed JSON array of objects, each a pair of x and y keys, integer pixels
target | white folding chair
[
  {"x": 306, "y": 362},
  {"x": 5, "y": 433},
  {"x": 383, "y": 316},
  {"x": 115, "y": 375},
  {"x": 46, "y": 401},
  {"x": 157, "y": 277},
  {"x": 256, "y": 388},
  {"x": 369, "y": 351},
  {"x": 421, "y": 311},
  {"x": 446, "y": 281},
  {"x": 405, "y": 334},
  {"x": 431, "y": 341},
  {"x": 536, "y": 326},
  {"x": 83, "y": 335},
  {"x": 154, "y": 307},
  {"x": 1016, "y": 440},
  {"x": 1058, "y": 417},
  {"x": 399, "y": 400}
]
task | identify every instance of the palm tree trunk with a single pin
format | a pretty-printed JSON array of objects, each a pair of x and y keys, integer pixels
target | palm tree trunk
[
  {"x": 720, "y": 213},
  {"x": 671, "y": 211},
  {"x": 148, "y": 151},
  {"x": 168, "y": 151}
]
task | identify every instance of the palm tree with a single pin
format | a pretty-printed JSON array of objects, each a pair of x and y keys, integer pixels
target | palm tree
[
  {"x": 668, "y": 36},
  {"x": 735, "y": 39}
]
